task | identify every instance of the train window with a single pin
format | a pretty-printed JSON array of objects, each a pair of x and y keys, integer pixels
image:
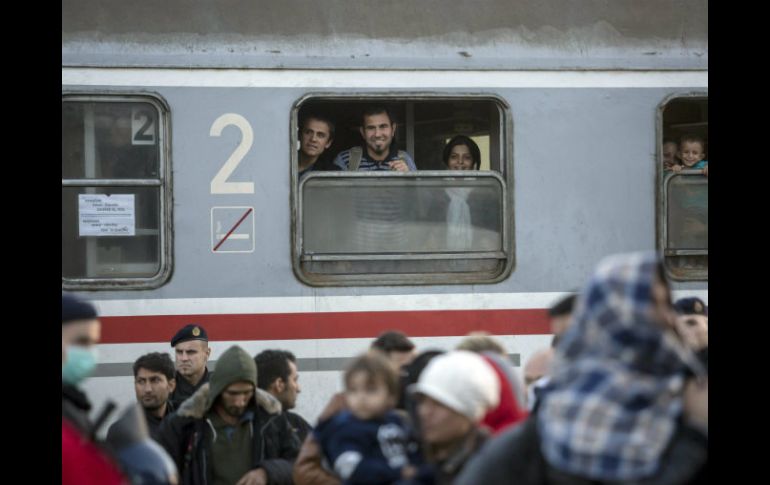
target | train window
[
  {"x": 683, "y": 187},
  {"x": 427, "y": 226},
  {"x": 114, "y": 189}
]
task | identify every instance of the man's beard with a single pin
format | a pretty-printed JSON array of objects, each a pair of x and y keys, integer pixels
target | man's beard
[
  {"x": 153, "y": 407},
  {"x": 234, "y": 411}
]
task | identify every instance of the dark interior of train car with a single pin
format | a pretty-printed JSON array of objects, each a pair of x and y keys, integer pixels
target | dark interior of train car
[{"x": 423, "y": 126}]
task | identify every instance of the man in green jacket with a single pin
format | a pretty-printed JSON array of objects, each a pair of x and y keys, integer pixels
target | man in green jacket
[{"x": 230, "y": 432}]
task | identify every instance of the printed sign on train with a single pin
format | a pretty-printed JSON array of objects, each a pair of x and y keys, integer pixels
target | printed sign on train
[{"x": 106, "y": 215}]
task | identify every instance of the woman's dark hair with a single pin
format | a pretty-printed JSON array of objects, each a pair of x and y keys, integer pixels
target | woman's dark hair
[{"x": 463, "y": 140}]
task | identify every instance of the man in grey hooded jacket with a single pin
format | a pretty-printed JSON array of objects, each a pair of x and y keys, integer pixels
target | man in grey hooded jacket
[{"x": 229, "y": 431}]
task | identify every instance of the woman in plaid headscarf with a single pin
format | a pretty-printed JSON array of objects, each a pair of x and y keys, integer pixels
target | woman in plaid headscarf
[{"x": 615, "y": 399}]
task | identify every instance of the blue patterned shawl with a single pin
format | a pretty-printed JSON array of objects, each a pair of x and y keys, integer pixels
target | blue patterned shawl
[{"x": 614, "y": 397}]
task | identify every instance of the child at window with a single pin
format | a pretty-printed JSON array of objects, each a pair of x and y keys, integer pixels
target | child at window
[
  {"x": 692, "y": 151},
  {"x": 368, "y": 443},
  {"x": 670, "y": 149}
]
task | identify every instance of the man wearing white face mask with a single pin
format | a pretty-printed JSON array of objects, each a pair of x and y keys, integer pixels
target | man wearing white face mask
[{"x": 83, "y": 462}]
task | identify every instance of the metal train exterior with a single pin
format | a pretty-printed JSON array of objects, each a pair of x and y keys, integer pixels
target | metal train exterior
[{"x": 575, "y": 111}]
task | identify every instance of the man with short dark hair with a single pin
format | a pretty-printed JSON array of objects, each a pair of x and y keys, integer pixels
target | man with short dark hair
[
  {"x": 378, "y": 152},
  {"x": 397, "y": 346},
  {"x": 316, "y": 135},
  {"x": 191, "y": 347},
  {"x": 229, "y": 431},
  {"x": 560, "y": 315},
  {"x": 536, "y": 369},
  {"x": 153, "y": 383},
  {"x": 277, "y": 374}
]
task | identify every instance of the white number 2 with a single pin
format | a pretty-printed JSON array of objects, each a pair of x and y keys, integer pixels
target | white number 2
[{"x": 219, "y": 184}]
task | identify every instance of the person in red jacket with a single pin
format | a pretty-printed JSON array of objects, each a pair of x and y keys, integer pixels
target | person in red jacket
[
  {"x": 83, "y": 461},
  {"x": 511, "y": 407}
]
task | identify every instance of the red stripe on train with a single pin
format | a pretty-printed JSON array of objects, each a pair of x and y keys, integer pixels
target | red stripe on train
[{"x": 293, "y": 326}]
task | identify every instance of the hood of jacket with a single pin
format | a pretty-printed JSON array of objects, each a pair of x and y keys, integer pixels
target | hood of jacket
[
  {"x": 235, "y": 365},
  {"x": 197, "y": 405}
]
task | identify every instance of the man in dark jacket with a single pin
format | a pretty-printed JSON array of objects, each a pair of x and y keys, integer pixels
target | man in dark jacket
[
  {"x": 229, "y": 431},
  {"x": 153, "y": 382},
  {"x": 277, "y": 370}
]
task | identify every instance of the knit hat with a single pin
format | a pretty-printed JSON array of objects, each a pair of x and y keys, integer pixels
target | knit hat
[
  {"x": 74, "y": 309},
  {"x": 462, "y": 381},
  {"x": 235, "y": 365}
]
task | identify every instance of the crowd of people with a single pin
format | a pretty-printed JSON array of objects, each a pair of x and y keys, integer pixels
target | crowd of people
[
  {"x": 619, "y": 397},
  {"x": 378, "y": 152}
]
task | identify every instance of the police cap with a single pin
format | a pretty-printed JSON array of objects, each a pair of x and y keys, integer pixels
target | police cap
[
  {"x": 691, "y": 306},
  {"x": 192, "y": 331}
]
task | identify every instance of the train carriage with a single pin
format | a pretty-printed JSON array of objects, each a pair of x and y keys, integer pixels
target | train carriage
[{"x": 182, "y": 201}]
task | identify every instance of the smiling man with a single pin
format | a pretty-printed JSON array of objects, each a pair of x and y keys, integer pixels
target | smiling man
[
  {"x": 378, "y": 153},
  {"x": 191, "y": 347}
]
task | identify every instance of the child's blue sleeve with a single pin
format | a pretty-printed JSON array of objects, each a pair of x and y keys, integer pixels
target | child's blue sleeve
[{"x": 351, "y": 457}]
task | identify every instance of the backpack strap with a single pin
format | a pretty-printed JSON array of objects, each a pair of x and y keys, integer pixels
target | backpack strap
[{"x": 355, "y": 158}]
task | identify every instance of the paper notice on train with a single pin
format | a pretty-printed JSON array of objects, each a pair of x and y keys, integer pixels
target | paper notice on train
[{"x": 106, "y": 215}]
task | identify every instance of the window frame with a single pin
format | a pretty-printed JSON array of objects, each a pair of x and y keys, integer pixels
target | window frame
[
  {"x": 661, "y": 197},
  {"x": 505, "y": 178},
  {"x": 163, "y": 183}
]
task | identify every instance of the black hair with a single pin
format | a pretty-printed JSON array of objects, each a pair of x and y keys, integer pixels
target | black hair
[
  {"x": 410, "y": 374},
  {"x": 393, "y": 340},
  {"x": 563, "y": 306},
  {"x": 319, "y": 117},
  {"x": 376, "y": 109},
  {"x": 155, "y": 362},
  {"x": 271, "y": 365},
  {"x": 463, "y": 140}
]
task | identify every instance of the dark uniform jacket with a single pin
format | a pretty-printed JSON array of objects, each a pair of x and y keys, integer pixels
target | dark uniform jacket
[
  {"x": 184, "y": 389},
  {"x": 187, "y": 435}
]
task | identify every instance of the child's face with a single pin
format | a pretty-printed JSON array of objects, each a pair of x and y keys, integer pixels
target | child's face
[
  {"x": 367, "y": 399},
  {"x": 669, "y": 155},
  {"x": 691, "y": 153}
]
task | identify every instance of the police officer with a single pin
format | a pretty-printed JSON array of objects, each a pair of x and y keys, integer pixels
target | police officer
[
  {"x": 191, "y": 346},
  {"x": 692, "y": 322}
]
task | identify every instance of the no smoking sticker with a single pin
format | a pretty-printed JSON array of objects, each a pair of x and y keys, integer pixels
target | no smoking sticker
[{"x": 232, "y": 229}]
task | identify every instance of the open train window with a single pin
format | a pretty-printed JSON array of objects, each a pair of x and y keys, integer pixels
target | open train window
[
  {"x": 429, "y": 225},
  {"x": 115, "y": 190},
  {"x": 683, "y": 186}
]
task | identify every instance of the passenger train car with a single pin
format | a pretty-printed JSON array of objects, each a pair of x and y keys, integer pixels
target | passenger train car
[{"x": 181, "y": 200}]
